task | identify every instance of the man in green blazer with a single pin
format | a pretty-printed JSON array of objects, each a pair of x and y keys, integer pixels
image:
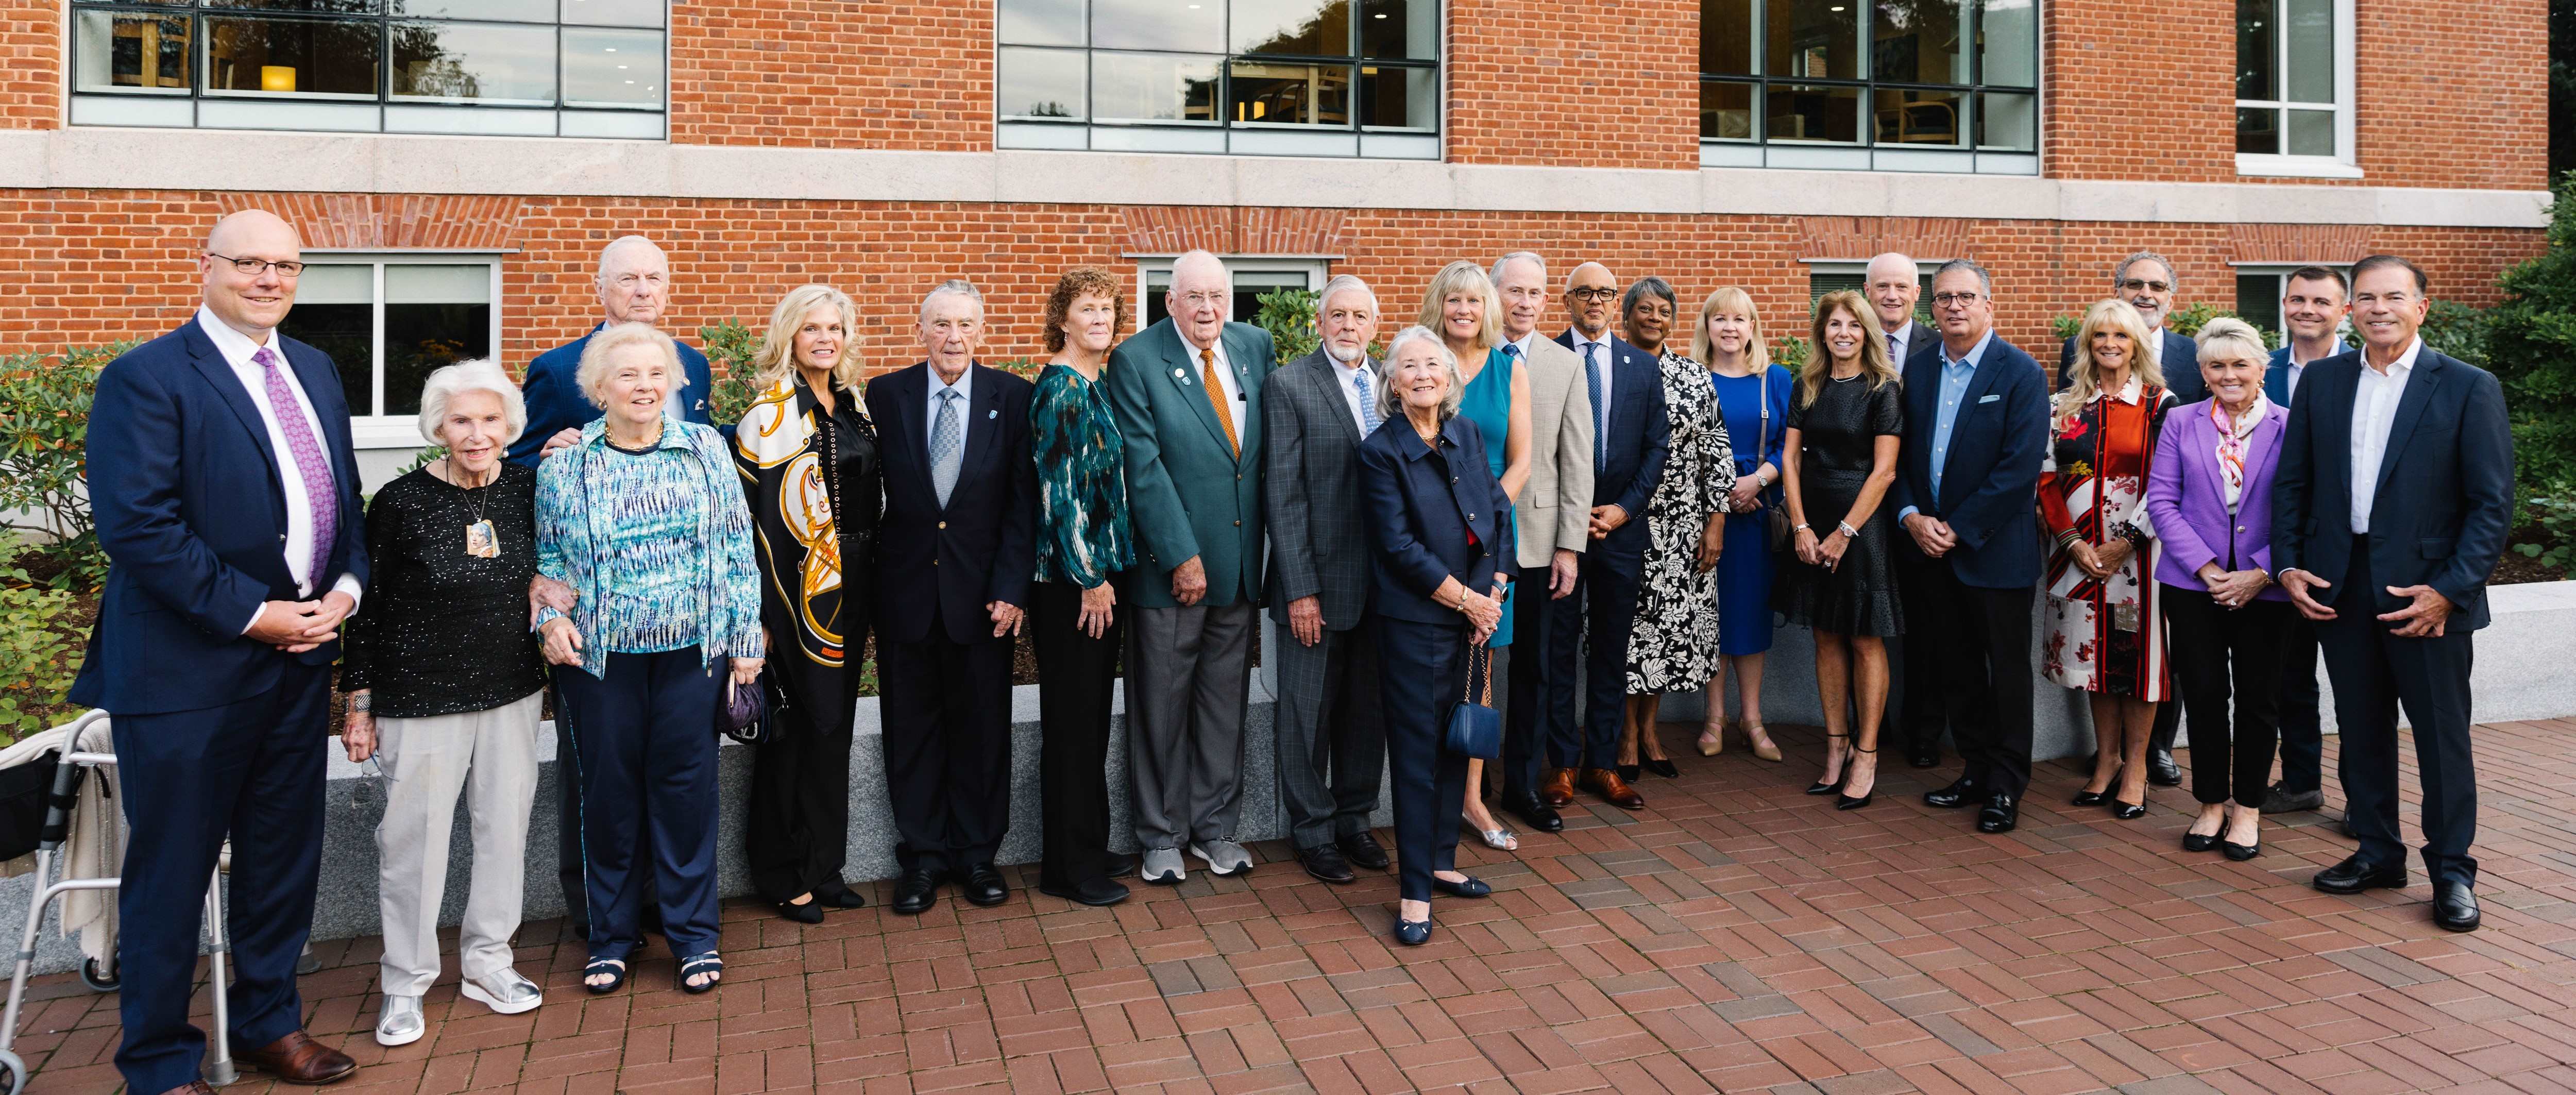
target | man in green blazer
[{"x": 1187, "y": 395}]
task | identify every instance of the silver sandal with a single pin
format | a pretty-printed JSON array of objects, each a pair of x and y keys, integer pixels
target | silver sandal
[{"x": 1500, "y": 840}]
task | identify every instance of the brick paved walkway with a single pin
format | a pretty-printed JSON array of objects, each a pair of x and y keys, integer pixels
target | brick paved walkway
[{"x": 1736, "y": 936}]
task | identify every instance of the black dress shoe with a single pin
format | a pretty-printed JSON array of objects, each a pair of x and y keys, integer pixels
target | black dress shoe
[
  {"x": 2000, "y": 813},
  {"x": 2089, "y": 798},
  {"x": 1324, "y": 861},
  {"x": 1628, "y": 772},
  {"x": 2281, "y": 800},
  {"x": 1472, "y": 887},
  {"x": 1924, "y": 758},
  {"x": 1662, "y": 766},
  {"x": 2353, "y": 875},
  {"x": 983, "y": 885},
  {"x": 2199, "y": 842},
  {"x": 1095, "y": 891},
  {"x": 2128, "y": 811},
  {"x": 1363, "y": 850},
  {"x": 839, "y": 895},
  {"x": 1960, "y": 792},
  {"x": 811, "y": 912},
  {"x": 1533, "y": 812},
  {"x": 2161, "y": 769},
  {"x": 916, "y": 891},
  {"x": 2455, "y": 906},
  {"x": 1119, "y": 865},
  {"x": 2241, "y": 852},
  {"x": 1412, "y": 933}
]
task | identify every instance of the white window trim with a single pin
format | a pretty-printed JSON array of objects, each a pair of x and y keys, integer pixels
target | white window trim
[
  {"x": 402, "y": 431},
  {"x": 1316, "y": 268},
  {"x": 2344, "y": 164}
]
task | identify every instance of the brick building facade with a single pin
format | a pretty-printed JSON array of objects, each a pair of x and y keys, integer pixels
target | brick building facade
[{"x": 880, "y": 146}]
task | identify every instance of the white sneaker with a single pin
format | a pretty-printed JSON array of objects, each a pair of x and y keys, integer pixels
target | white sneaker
[
  {"x": 399, "y": 1021},
  {"x": 504, "y": 991},
  {"x": 1225, "y": 858},
  {"x": 1163, "y": 867}
]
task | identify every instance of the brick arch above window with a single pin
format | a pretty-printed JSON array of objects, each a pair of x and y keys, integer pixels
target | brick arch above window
[
  {"x": 390, "y": 221},
  {"x": 1235, "y": 230},
  {"x": 2299, "y": 244},
  {"x": 1866, "y": 237}
]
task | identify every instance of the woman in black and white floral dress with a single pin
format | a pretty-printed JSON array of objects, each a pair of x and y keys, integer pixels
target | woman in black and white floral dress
[{"x": 1674, "y": 647}]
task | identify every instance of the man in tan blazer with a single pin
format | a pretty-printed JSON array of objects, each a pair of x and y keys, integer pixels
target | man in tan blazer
[{"x": 1552, "y": 520}]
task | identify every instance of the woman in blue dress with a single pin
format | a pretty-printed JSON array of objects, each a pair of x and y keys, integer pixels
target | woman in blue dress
[
  {"x": 1462, "y": 306},
  {"x": 1753, "y": 394}
]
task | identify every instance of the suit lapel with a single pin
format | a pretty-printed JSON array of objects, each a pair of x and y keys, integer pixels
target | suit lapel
[
  {"x": 313, "y": 371},
  {"x": 219, "y": 375},
  {"x": 1320, "y": 372},
  {"x": 1248, "y": 375},
  {"x": 1980, "y": 382},
  {"x": 983, "y": 418},
  {"x": 2264, "y": 444},
  {"x": 1184, "y": 371},
  {"x": 2410, "y": 410},
  {"x": 911, "y": 386}
]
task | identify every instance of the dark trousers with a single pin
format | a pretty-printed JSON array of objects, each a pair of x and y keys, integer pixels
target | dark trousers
[
  {"x": 1924, "y": 716},
  {"x": 1331, "y": 734},
  {"x": 1076, "y": 674},
  {"x": 1426, "y": 673},
  {"x": 1985, "y": 673},
  {"x": 2303, "y": 741},
  {"x": 251, "y": 769},
  {"x": 797, "y": 837},
  {"x": 1541, "y": 704},
  {"x": 1598, "y": 615},
  {"x": 2373, "y": 671},
  {"x": 569, "y": 873},
  {"x": 2223, "y": 654},
  {"x": 947, "y": 711},
  {"x": 644, "y": 750}
]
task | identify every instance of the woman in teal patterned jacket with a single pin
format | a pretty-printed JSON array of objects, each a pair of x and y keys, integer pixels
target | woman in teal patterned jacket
[{"x": 645, "y": 520}]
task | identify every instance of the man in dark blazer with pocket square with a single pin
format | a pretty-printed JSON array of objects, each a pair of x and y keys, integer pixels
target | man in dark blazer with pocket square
[
  {"x": 226, "y": 496},
  {"x": 956, "y": 551},
  {"x": 1630, "y": 441},
  {"x": 1967, "y": 495},
  {"x": 1331, "y": 732},
  {"x": 2388, "y": 515}
]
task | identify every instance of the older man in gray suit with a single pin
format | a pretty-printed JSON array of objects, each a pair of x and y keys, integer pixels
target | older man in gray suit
[
  {"x": 1550, "y": 526},
  {"x": 1332, "y": 742}
]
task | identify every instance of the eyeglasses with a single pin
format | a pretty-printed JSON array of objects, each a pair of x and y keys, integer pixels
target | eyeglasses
[
  {"x": 254, "y": 267},
  {"x": 1594, "y": 295},
  {"x": 1954, "y": 300},
  {"x": 2135, "y": 284}
]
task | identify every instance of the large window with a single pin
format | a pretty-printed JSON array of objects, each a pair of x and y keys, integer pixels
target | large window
[
  {"x": 573, "y": 68},
  {"x": 1942, "y": 85},
  {"x": 2294, "y": 87},
  {"x": 390, "y": 320},
  {"x": 1844, "y": 275},
  {"x": 1252, "y": 278},
  {"x": 1270, "y": 77}
]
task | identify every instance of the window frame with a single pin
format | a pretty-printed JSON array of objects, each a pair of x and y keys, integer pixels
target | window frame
[
  {"x": 1761, "y": 149},
  {"x": 2278, "y": 273},
  {"x": 1221, "y": 134},
  {"x": 119, "y": 107},
  {"x": 1317, "y": 270},
  {"x": 2342, "y": 164},
  {"x": 1858, "y": 269},
  {"x": 369, "y": 427}
]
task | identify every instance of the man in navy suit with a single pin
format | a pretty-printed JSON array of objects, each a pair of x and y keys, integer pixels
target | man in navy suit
[
  {"x": 634, "y": 285},
  {"x": 2388, "y": 515},
  {"x": 226, "y": 496},
  {"x": 2313, "y": 303},
  {"x": 1893, "y": 284},
  {"x": 1967, "y": 495},
  {"x": 1631, "y": 438},
  {"x": 955, "y": 553}
]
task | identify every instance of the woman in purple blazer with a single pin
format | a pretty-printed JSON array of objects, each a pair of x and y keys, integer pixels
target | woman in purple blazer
[{"x": 2209, "y": 495}]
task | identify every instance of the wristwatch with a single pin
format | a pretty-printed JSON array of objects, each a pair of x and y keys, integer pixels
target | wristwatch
[{"x": 1845, "y": 528}]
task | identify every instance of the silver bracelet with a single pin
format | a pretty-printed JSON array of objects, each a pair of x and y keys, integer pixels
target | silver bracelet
[
  {"x": 1801, "y": 527},
  {"x": 1845, "y": 528},
  {"x": 362, "y": 701}
]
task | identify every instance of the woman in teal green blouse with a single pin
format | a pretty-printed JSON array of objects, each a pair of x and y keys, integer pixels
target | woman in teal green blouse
[{"x": 1083, "y": 542}]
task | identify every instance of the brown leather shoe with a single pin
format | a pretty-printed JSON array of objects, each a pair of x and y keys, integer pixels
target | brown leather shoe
[
  {"x": 192, "y": 1087},
  {"x": 1559, "y": 788},
  {"x": 1608, "y": 785},
  {"x": 298, "y": 1059}
]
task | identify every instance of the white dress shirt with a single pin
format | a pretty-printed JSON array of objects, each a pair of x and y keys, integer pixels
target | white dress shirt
[
  {"x": 2374, "y": 413},
  {"x": 1234, "y": 400},
  {"x": 237, "y": 349},
  {"x": 1351, "y": 393},
  {"x": 1599, "y": 354},
  {"x": 965, "y": 407}
]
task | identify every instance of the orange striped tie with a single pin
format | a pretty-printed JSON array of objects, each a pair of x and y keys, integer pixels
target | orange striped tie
[{"x": 1216, "y": 399}]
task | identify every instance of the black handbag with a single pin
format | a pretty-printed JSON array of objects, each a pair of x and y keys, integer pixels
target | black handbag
[
  {"x": 1476, "y": 730},
  {"x": 743, "y": 713}
]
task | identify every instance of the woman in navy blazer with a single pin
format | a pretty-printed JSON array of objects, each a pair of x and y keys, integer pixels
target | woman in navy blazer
[
  {"x": 1442, "y": 544},
  {"x": 2209, "y": 495}
]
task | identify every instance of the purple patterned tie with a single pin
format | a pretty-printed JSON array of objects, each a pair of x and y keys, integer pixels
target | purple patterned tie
[{"x": 318, "y": 488}]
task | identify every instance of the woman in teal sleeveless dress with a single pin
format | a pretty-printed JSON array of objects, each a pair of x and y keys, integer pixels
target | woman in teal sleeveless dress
[{"x": 1462, "y": 306}]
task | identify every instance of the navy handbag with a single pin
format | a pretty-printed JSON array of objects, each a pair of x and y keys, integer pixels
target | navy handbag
[{"x": 1475, "y": 729}]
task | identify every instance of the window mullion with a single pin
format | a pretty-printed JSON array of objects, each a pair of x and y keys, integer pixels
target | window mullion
[{"x": 377, "y": 333}]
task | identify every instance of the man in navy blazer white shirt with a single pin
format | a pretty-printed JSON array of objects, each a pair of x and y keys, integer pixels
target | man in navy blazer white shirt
[
  {"x": 1631, "y": 438},
  {"x": 2388, "y": 515},
  {"x": 226, "y": 495},
  {"x": 634, "y": 284},
  {"x": 1894, "y": 284},
  {"x": 2314, "y": 300},
  {"x": 1967, "y": 495}
]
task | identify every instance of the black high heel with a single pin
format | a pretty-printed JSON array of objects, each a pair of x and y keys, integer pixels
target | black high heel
[
  {"x": 2128, "y": 811},
  {"x": 2090, "y": 798},
  {"x": 1821, "y": 787},
  {"x": 1846, "y": 802},
  {"x": 1627, "y": 773},
  {"x": 1662, "y": 766}
]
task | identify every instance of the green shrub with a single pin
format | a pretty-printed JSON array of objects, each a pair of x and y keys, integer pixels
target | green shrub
[
  {"x": 1790, "y": 352},
  {"x": 2552, "y": 521},
  {"x": 44, "y": 426},
  {"x": 729, "y": 347},
  {"x": 41, "y": 639},
  {"x": 2186, "y": 321},
  {"x": 2529, "y": 341},
  {"x": 1289, "y": 316}
]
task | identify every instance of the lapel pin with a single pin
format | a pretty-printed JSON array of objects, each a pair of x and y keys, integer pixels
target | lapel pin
[{"x": 990, "y": 415}]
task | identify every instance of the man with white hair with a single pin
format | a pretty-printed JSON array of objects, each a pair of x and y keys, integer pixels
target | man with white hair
[
  {"x": 1187, "y": 396},
  {"x": 1552, "y": 520},
  {"x": 1893, "y": 283},
  {"x": 634, "y": 286},
  {"x": 1332, "y": 741},
  {"x": 226, "y": 494}
]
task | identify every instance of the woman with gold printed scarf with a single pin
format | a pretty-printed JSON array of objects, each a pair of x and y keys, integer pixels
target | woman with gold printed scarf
[{"x": 808, "y": 456}]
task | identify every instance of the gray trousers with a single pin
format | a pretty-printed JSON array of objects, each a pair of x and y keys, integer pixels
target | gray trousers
[
  {"x": 491, "y": 757},
  {"x": 1331, "y": 733},
  {"x": 1188, "y": 681}
]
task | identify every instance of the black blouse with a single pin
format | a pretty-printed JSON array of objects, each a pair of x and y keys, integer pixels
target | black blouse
[{"x": 443, "y": 632}]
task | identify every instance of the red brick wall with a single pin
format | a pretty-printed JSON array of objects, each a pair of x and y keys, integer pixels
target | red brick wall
[
  {"x": 2453, "y": 93},
  {"x": 833, "y": 73},
  {"x": 31, "y": 64},
  {"x": 2139, "y": 91},
  {"x": 1574, "y": 83},
  {"x": 107, "y": 265}
]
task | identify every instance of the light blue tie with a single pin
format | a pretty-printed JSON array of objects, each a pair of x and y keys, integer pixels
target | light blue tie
[
  {"x": 944, "y": 446},
  {"x": 1369, "y": 420},
  {"x": 1601, "y": 428}
]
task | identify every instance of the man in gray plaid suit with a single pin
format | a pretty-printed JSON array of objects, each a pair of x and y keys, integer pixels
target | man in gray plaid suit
[{"x": 1332, "y": 741}]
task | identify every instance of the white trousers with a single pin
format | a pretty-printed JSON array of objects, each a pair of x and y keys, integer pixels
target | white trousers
[{"x": 491, "y": 756}]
